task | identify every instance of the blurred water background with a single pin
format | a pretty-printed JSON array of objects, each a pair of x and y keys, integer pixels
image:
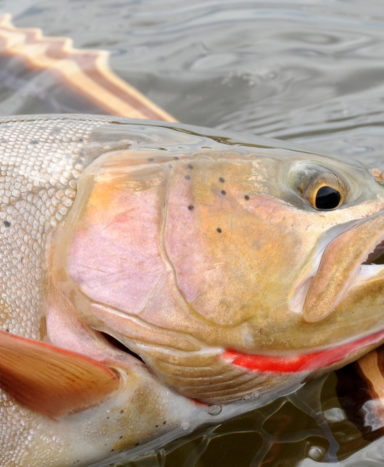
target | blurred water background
[{"x": 308, "y": 71}]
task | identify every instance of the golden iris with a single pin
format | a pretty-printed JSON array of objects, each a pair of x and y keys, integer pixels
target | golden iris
[{"x": 325, "y": 192}]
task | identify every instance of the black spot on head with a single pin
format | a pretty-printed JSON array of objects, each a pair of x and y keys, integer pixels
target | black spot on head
[
  {"x": 221, "y": 180},
  {"x": 7, "y": 223},
  {"x": 164, "y": 422},
  {"x": 191, "y": 207},
  {"x": 136, "y": 444},
  {"x": 223, "y": 192},
  {"x": 156, "y": 426},
  {"x": 190, "y": 166},
  {"x": 218, "y": 230},
  {"x": 80, "y": 140},
  {"x": 246, "y": 197},
  {"x": 187, "y": 177},
  {"x": 151, "y": 159},
  {"x": 121, "y": 437},
  {"x": 122, "y": 411}
]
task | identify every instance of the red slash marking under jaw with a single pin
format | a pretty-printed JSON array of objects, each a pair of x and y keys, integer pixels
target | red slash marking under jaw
[{"x": 302, "y": 362}]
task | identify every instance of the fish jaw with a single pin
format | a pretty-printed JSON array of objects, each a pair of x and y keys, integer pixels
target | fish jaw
[
  {"x": 341, "y": 259},
  {"x": 332, "y": 357},
  {"x": 182, "y": 266}
]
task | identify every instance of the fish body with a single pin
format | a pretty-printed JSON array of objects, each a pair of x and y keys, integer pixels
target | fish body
[{"x": 161, "y": 270}]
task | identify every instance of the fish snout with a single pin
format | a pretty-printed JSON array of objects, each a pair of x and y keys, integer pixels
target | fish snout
[{"x": 347, "y": 261}]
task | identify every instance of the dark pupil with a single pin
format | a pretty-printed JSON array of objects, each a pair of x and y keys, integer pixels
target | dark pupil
[{"x": 327, "y": 198}]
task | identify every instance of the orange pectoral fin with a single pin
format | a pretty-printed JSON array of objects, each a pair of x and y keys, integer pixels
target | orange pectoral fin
[{"x": 50, "y": 380}]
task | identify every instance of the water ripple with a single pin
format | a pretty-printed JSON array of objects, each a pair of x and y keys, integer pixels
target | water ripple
[{"x": 308, "y": 71}]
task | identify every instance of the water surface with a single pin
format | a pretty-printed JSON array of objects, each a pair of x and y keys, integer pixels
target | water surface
[{"x": 311, "y": 72}]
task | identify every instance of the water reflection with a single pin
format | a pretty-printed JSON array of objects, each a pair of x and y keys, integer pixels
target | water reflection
[
  {"x": 307, "y": 71},
  {"x": 309, "y": 424}
]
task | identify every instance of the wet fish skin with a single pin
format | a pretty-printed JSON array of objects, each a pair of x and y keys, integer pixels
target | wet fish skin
[
  {"x": 41, "y": 159},
  {"x": 75, "y": 188}
]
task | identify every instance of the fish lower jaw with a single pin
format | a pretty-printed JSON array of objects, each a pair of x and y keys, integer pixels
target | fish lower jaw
[{"x": 305, "y": 362}]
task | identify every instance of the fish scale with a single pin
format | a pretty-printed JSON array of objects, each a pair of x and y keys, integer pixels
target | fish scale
[
  {"x": 34, "y": 197},
  {"x": 41, "y": 159},
  {"x": 39, "y": 162}
]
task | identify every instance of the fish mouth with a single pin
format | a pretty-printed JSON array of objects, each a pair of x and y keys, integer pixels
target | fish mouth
[
  {"x": 346, "y": 258},
  {"x": 304, "y": 362},
  {"x": 376, "y": 257}
]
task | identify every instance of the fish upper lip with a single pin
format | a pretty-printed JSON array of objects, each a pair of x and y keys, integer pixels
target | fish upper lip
[{"x": 342, "y": 253}]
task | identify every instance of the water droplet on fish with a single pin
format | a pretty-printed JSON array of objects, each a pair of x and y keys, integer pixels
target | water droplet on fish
[
  {"x": 185, "y": 426},
  {"x": 251, "y": 396},
  {"x": 316, "y": 452},
  {"x": 214, "y": 409},
  {"x": 334, "y": 415}
]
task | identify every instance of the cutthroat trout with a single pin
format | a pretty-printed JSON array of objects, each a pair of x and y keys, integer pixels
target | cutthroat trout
[{"x": 157, "y": 277}]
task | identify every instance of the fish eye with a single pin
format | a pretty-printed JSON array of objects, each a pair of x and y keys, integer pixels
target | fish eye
[
  {"x": 326, "y": 197},
  {"x": 325, "y": 191},
  {"x": 322, "y": 188}
]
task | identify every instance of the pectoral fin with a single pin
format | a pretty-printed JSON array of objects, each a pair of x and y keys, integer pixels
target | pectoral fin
[{"x": 51, "y": 380}]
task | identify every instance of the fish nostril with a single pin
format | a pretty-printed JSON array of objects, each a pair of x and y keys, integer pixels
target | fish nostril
[{"x": 115, "y": 343}]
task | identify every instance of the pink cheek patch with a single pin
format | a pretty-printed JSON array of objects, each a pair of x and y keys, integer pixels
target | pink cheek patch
[
  {"x": 114, "y": 256},
  {"x": 184, "y": 243}
]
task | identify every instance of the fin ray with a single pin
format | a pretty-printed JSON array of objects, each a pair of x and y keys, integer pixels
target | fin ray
[{"x": 51, "y": 380}]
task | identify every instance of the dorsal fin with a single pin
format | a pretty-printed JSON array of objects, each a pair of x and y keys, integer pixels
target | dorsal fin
[
  {"x": 85, "y": 71},
  {"x": 50, "y": 380}
]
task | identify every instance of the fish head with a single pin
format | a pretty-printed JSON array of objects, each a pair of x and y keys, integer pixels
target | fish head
[{"x": 230, "y": 272}]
